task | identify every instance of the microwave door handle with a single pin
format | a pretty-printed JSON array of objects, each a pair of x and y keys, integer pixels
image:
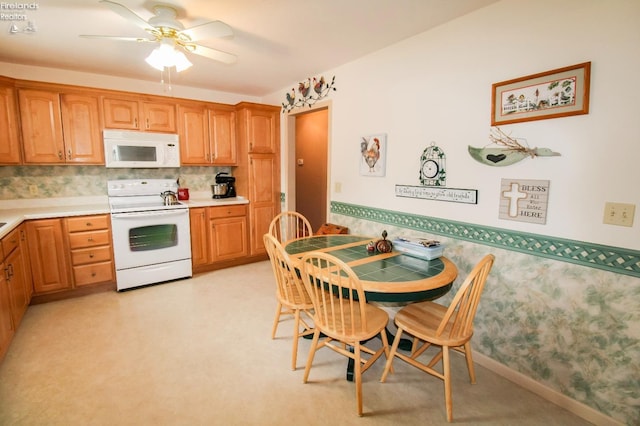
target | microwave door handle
[{"x": 148, "y": 214}]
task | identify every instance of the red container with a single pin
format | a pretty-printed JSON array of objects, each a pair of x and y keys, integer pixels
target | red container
[{"x": 183, "y": 193}]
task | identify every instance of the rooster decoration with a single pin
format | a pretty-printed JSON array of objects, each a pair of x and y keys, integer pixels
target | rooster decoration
[
  {"x": 310, "y": 91},
  {"x": 370, "y": 150}
]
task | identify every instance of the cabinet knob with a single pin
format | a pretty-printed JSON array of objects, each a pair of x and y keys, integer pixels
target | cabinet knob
[
  {"x": 69, "y": 154},
  {"x": 93, "y": 274},
  {"x": 91, "y": 255},
  {"x": 89, "y": 224},
  {"x": 90, "y": 239},
  {"x": 59, "y": 155}
]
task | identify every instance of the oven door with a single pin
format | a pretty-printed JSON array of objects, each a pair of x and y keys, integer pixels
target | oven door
[{"x": 150, "y": 237}]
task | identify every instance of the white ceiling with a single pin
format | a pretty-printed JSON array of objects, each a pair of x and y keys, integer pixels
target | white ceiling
[{"x": 277, "y": 41}]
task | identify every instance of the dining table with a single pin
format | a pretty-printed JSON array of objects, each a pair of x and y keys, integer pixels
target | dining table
[{"x": 395, "y": 277}]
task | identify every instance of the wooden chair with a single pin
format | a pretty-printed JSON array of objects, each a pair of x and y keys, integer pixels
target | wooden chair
[
  {"x": 290, "y": 225},
  {"x": 290, "y": 292},
  {"x": 447, "y": 327},
  {"x": 342, "y": 314}
]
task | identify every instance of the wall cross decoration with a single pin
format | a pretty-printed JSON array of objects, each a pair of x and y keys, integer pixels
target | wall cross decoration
[{"x": 309, "y": 92}]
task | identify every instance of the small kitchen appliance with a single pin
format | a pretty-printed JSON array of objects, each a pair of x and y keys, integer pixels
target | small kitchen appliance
[{"x": 225, "y": 186}]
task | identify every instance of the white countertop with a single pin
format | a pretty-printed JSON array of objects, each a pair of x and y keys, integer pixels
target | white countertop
[{"x": 14, "y": 212}]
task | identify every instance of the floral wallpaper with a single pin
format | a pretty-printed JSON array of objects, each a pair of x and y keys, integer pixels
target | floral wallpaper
[
  {"x": 572, "y": 328},
  {"x": 79, "y": 181}
]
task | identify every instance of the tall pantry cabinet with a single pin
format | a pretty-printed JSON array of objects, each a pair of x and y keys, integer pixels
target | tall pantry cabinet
[{"x": 258, "y": 171}]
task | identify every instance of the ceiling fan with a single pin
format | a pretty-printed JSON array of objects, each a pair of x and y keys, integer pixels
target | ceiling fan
[{"x": 165, "y": 29}]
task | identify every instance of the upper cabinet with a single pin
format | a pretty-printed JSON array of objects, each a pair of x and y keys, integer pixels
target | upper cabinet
[
  {"x": 131, "y": 114},
  {"x": 207, "y": 134},
  {"x": 60, "y": 128},
  {"x": 259, "y": 127},
  {"x": 9, "y": 131}
]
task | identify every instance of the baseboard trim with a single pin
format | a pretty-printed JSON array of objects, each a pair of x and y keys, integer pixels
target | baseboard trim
[{"x": 569, "y": 404}]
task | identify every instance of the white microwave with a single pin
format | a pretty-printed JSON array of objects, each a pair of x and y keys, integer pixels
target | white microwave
[{"x": 132, "y": 149}]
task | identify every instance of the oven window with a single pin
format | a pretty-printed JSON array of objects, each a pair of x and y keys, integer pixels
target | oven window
[{"x": 154, "y": 237}]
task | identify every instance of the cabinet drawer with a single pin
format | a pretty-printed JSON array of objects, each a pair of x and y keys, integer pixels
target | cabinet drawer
[
  {"x": 89, "y": 239},
  {"x": 93, "y": 273},
  {"x": 90, "y": 255},
  {"x": 10, "y": 242},
  {"x": 87, "y": 223},
  {"x": 227, "y": 211}
]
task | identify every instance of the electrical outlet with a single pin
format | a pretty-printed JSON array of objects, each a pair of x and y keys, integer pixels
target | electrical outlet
[
  {"x": 619, "y": 214},
  {"x": 33, "y": 189},
  {"x": 337, "y": 187}
]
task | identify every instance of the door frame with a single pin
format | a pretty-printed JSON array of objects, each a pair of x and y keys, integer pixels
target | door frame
[{"x": 289, "y": 158}]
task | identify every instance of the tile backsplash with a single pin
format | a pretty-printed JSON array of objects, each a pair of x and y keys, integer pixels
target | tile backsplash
[{"x": 79, "y": 181}]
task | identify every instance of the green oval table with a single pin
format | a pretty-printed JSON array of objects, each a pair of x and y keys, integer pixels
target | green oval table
[{"x": 385, "y": 277}]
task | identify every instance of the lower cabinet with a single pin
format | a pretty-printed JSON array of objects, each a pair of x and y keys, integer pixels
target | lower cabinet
[
  {"x": 48, "y": 255},
  {"x": 91, "y": 252},
  {"x": 70, "y": 253},
  {"x": 218, "y": 234},
  {"x": 15, "y": 286}
]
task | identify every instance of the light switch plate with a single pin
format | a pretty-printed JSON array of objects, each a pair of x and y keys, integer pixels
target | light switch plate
[{"x": 619, "y": 214}]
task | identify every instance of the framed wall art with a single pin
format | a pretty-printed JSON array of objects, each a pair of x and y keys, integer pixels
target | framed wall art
[
  {"x": 557, "y": 93},
  {"x": 373, "y": 155}
]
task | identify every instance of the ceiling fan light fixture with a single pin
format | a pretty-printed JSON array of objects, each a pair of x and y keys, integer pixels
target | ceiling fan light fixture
[{"x": 166, "y": 56}]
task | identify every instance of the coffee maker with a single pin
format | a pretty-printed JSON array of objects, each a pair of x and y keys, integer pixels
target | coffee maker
[{"x": 225, "y": 186}]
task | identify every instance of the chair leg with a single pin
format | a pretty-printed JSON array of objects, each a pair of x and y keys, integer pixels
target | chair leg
[
  {"x": 446, "y": 369},
  {"x": 358, "y": 374},
  {"x": 312, "y": 352},
  {"x": 469, "y": 357},
  {"x": 296, "y": 336},
  {"x": 392, "y": 354},
  {"x": 276, "y": 320}
]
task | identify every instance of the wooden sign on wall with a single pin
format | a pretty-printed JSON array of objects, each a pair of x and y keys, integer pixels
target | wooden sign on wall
[{"x": 524, "y": 200}]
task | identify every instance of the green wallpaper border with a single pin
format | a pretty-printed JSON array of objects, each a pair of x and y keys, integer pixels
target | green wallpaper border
[{"x": 613, "y": 259}]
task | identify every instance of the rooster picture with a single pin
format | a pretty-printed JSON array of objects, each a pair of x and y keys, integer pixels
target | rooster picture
[{"x": 370, "y": 148}]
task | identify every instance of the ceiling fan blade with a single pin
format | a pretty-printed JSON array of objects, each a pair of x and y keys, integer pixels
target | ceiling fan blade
[
  {"x": 216, "y": 55},
  {"x": 127, "y": 14},
  {"x": 138, "y": 39},
  {"x": 213, "y": 29}
]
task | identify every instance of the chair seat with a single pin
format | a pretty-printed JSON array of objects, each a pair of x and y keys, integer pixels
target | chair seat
[
  {"x": 423, "y": 319},
  {"x": 377, "y": 320}
]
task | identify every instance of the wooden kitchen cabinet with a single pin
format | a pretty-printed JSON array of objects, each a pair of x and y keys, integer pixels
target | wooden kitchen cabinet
[
  {"x": 9, "y": 127},
  {"x": 264, "y": 184},
  {"x": 218, "y": 234},
  {"x": 259, "y": 127},
  {"x": 228, "y": 232},
  {"x": 6, "y": 322},
  {"x": 60, "y": 128},
  {"x": 207, "y": 135},
  {"x": 81, "y": 129},
  {"x": 132, "y": 114},
  {"x": 48, "y": 255},
  {"x": 16, "y": 276},
  {"x": 91, "y": 249},
  {"x": 258, "y": 171},
  {"x": 41, "y": 121}
]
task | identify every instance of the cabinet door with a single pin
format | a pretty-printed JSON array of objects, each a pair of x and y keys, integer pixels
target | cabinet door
[
  {"x": 121, "y": 114},
  {"x": 159, "y": 117},
  {"x": 9, "y": 133},
  {"x": 48, "y": 255},
  {"x": 264, "y": 194},
  {"x": 41, "y": 126},
  {"x": 81, "y": 129},
  {"x": 194, "y": 135},
  {"x": 261, "y": 131},
  {"x": 199, "y": 237},
  {"x": 228, "y": 238},
  {"x": 222, "y": 134},
  {"x": 6, "y": 323},
  {"x": 16, "y": 278}
]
